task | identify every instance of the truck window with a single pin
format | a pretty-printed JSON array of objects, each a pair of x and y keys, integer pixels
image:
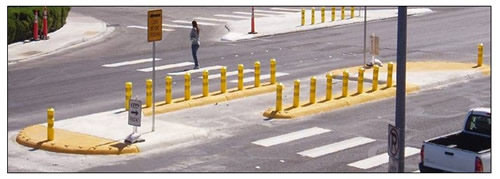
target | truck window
[{"x": 479, "y": 124}]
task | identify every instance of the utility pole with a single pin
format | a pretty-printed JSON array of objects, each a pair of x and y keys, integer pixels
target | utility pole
[{"x": 401, "y": 84}]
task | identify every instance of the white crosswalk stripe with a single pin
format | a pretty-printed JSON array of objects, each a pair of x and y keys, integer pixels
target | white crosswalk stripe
[
  {"x": 212, "y": 19},
  {"x": 249, "y": 13},
  {"x": 291, "y": 136},
  {"x": 165, "y": 67},
  {"x": 231, "y": 73},
  {"x": 262, "y": 77},
  {"x": 178, "y": 26},
  {"x": 196, "y": 70},
  {"x": 189, "y": 22},
  {"x": 146, "y": 28},
  {"x": 286, "y": 9},
  {"x": 133, "y": 62},
  {"x": 273, "y": 12},
  {"x": 232, "y": 16},
  {"x": 335, "y": 147},
  {"x": 380, "y": 159}
]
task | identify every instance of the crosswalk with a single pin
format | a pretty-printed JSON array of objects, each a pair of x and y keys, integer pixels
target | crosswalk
[
  {"x": 221, "y": 19},
  {"x": 332, "y": 148}
]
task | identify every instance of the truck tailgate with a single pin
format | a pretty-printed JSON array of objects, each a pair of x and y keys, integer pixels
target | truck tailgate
[{"x": 448, "y": 158}]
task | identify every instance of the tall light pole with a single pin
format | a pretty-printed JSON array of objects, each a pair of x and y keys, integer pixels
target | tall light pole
[{"x": 401, "y": 84}]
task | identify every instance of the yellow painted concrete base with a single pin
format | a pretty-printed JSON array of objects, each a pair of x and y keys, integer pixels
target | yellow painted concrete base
[
  {"x": 212, "y": 98},
  {"x": 338, "y": 102},
  {"x": 71, "y": 142}
]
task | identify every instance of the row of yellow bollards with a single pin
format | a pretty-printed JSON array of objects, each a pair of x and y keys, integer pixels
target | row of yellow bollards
[
  {"x": 342, "y": 16},
  {"x": 329, "y": 86},
  {"x": 205, "y": 91}
]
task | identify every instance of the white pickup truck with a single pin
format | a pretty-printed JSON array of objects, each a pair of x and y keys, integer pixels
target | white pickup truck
[{"x": 468, "y": 150}]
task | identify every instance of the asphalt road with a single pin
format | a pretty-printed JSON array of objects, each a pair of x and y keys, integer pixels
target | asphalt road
[{"x": 75, "y": 83}]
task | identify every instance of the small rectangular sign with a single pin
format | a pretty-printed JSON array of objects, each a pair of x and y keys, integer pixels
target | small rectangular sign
[
  {"x": 393, "y": 141},
  {"x": 135, "y": 113},
  {"x": 155, "y": 25}
]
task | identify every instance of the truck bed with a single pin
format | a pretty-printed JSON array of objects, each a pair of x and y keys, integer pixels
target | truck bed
[{"x": 464, "y": 141}]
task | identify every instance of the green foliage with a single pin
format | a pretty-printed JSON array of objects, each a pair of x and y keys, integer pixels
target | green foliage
[{"x": 20, "y": 21}]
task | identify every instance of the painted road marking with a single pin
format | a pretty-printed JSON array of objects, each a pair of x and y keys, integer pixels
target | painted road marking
[
  {"x": 133, "y": 62},
  {"x": 196, "y": 70},
  {"x": 275, "y": 12},
  {"x": 290, "y": 136},
  {"x": 233, "y": 16},
  {"x": 146, "y": 28},
  {"x": 189, "y": 22},
  {"x": 164, "y": 67},
  {"x": 335, "y": 147},
  {"x": 249, "y": 13},
  {"x": 381, "y": 159},
  {"x": 262, "y": 77},
  {"x": 231, "y": 73},
  {"x": 212, "y": 19},
  {"x": 286, "y": 9},
  {"x": 178, "y": 26}
]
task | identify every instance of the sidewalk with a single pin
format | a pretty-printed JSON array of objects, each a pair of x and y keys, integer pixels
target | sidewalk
[{"x": 79, "y": 29}]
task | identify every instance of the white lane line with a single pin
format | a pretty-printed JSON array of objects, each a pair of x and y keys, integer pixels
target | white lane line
[
  {"x": 231, "y": 73},
  {"x": 335, "y": 147},
  {"x": 178, "y": 26},
  {"x": 212, "y": 19},
  {"x": 275, "y": 12},
  {"x": 164, "y": 67},
  {"x": 380, "y": 159},
  {"x": 416, "y": 171},
  {"x": 189, "y": 22},
  {"x": 257, "y": 14},
  {"x": 133, "y": 62},
  {"x": 262, "y": 77},
  {"x": 290, "y": 136},
  {"x": 145, "y": 28},
  {"x": 197, "y": 70},
  {"x": 286, "y": 9},
  {"x": 233, "y": 16}
]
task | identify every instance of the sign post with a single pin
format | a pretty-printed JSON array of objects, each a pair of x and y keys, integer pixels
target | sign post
[{"x": 154, "y": 34}]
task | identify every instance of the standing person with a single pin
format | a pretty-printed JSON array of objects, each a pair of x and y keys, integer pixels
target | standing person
[{"x": 195, "y": 42}]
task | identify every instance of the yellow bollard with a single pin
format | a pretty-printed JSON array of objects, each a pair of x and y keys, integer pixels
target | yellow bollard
[
  {"x": 333, "y": 13},
  {"x": 345, "y": 83},
  {"x": 361, "y": 75},
  {"x": 342, "y": 14},
  {"x": 303, "y": 19},
  {"x": 257, "y": 74},
  {"x": 128, "y": 94},
  {"x": 273, "y": 71},
  {"x": 375, "y": 78},
  {"x": 296, "y": 93},
  {"x": 279, "y": 97},
  {"x": 205, "y": 83},
  {"x": 352, "y": 12},
  {"x": 187, "y": 86},
  {"x": 149, "y": 92},
  {"x": 50, "y": 124},
  {"x": 223, "y": 80},
  {"x": 312, "y": 16},
  {"x": 480, "y": 54},
  {"x": 312, "y": 92},
  {"x": 168, "y": 89},
  {"x": 240, "y": 77},
  {"x": 389, "y": 74},
  {"x": 329, "y": 86},
  {"x": 322, "y": 14}
]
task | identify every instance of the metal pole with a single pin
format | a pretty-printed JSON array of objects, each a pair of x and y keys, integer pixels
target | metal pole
[
  {"x": 364, "y": 42},
  {"x": 401, "y": 84},
  {"x": 154, "y": 84}
]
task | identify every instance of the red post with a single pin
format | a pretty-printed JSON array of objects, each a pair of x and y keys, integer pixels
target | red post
[
  {"x": 35, "y": 27},
  {"x": 45, "y": 27},
  {"x": 253, "y": 24}
]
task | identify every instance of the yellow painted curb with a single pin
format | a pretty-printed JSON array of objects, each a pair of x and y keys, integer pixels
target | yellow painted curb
[
  {"x": 336, "y": 103},
  {"x": 212, "y": 98},
  {"x": 71, "y": 142}
]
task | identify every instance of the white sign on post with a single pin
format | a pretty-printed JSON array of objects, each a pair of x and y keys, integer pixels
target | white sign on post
[
  {"x": 135, "y": 113},
  {"x": 393, "y": 149}
]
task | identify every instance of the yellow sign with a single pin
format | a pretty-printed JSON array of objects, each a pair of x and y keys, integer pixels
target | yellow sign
[{"x": 154, "y": 25}]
